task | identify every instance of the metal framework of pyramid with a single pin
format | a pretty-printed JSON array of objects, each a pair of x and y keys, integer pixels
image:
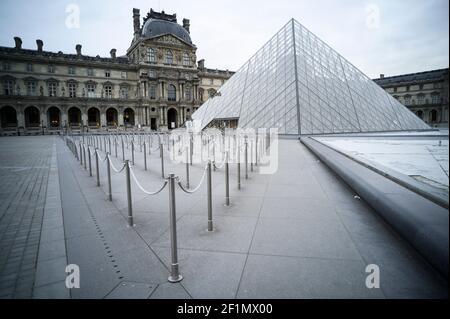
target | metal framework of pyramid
[{"x": 300, "y": 85}]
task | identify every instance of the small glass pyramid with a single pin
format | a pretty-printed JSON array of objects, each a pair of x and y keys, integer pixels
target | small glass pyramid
[{"x": 298, "y": 84}]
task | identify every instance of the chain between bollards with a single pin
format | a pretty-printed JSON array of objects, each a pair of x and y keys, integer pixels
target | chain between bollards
[{"x": 174, "y": 267}]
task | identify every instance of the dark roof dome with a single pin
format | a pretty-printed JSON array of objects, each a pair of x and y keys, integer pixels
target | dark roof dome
[{"x": 156, "y": 27}]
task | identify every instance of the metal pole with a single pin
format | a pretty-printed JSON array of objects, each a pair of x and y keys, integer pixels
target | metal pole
[
  {"x": 123, "y": 152},
  {"x": 115, "y": 146},
  {"x": 109, "y": 144},
  {"x": 84, "y": 154},
  {"x": 191, "y": 147},
  {"x": 187, "y": 167},
  {"x": 108, "y": 170},
  {"x": 161, "y": 154},
  {"x": 97, "y": 168},
  {"x": 246, "y": 158},
  {"x": 214, "y": 154},
  {"x": 239, "y": 166},
  {"x": 130, "y": 209},
  {"x": 145, "y": 157},
  {"x": 210, "y": 222},
  {"x": 256, "y": 150},
  {"x": 90, "y": 165},
  {"x": 81, "y": 156},
  {"x": 132, "y": 152},
  {"x": 227, "y": 182},
  {"x": 251, "y": 155},
  {"x": 174, "y": 267}
]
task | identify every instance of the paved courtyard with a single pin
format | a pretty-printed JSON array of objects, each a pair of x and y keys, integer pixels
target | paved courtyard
[{"x": 298, "y": 233}]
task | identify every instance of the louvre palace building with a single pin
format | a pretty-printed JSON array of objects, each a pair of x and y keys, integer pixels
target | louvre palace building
[{"x": 157, "y": 85}]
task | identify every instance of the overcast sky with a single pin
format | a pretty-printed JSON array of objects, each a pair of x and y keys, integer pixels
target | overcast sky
[{"x": 377, "y": 36}]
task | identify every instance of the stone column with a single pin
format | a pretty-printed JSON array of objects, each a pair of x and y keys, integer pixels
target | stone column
[
  {"x": 120, "y": 117},
  {"x": 103, "y": 117}
]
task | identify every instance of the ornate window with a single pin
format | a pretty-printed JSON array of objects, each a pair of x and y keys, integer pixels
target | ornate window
[
  {"x": 124, "y": 92},
  {"x": 420, "y": 99},
  {"x": 188, "y": 93},
  {"x": 435, "y": 99},
  {"x": 171, "y": 93},
  {"x": 152, "y": 92},
  {"x": 151, "y": 55},
  {"x": 8, "y": 87},
  {"x": 108, "y": 91},
  {"x": 186, "y": 60},
  {"x": 169, "y": 57},
  {"x": 31, "y": 87},
  {"x": 52, "y": 89},
  {"x": 407, "y": 100},
  {"x": 90, "y": 90},
  {"x": 72, "y": 90}
]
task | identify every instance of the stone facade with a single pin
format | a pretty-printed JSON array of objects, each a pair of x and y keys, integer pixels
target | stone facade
[
  {"x": 425, "y": 94},
  {"x": 156, "y": 85}
]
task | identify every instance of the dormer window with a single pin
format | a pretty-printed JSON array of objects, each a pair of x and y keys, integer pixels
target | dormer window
[{"x": 169, "y": 57}]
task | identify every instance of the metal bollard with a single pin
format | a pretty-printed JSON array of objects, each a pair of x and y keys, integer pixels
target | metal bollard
[
  {"x": 191, "y": 148},
  {"x": 174, "y": 267},
  {"x": 109, "y": 144},
  {"x": 123, "y": 152},
  {"x": 115, "y": 146},
  {"x": 84, "y": 155},
  {"x": 227, "y": 182},
  {"x": 214, "y": 154},
  {"x": 256, "y": 151},
  {"x": 246, "y": 159},
  {"x": 209, "y": 184},
  {"x": 81, "y": 156},
  {"x": 130, "y": 209},
  {"x": 239, "y": 167},
  {"x": 108, "y": 171},
  {"x": 145, "y": 157},
  {"x": 251, "y": 155},
  {"x": 187, "y": 167},
  {"x": 161, "y": 154},
  {"x": 90, "y": 165},
  {"x": 104, "y": 144},
  {"x": 132, "y": 153},
  {"x": 97, "y": 168}
]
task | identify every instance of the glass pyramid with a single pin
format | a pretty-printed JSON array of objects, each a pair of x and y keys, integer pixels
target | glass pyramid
[{"x": 300, "y": 85}]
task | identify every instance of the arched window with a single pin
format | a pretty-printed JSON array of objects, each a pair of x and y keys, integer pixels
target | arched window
[
  {"x": 186, "y": 60},
  {"x": 169, "y": 57},
  {"x": 151, "y": 55},
  {"x": 171, "y": 93},
  {"x": 419, "y": 113},
  {"x": 434, "y": 116}
]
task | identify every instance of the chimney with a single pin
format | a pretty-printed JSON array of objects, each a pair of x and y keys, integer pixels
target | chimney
[
  {"x": 40, "y": 44},
  {"x": 78, "y": 48},
  {"x": 18, "y": 43},
  {"x": 201, "y": 64},
  {"x": 381, "y": 76},
  {"x": 113, "y": 53},
  {"x": 136, "y": 23},
  {"x": 186, "y": 24}
]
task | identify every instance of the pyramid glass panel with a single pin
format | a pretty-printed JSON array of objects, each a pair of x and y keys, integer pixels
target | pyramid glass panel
[{"x": 300, "y": 85}]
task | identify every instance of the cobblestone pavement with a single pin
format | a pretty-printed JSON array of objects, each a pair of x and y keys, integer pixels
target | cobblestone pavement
[{"x": 24, "y": 169}]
